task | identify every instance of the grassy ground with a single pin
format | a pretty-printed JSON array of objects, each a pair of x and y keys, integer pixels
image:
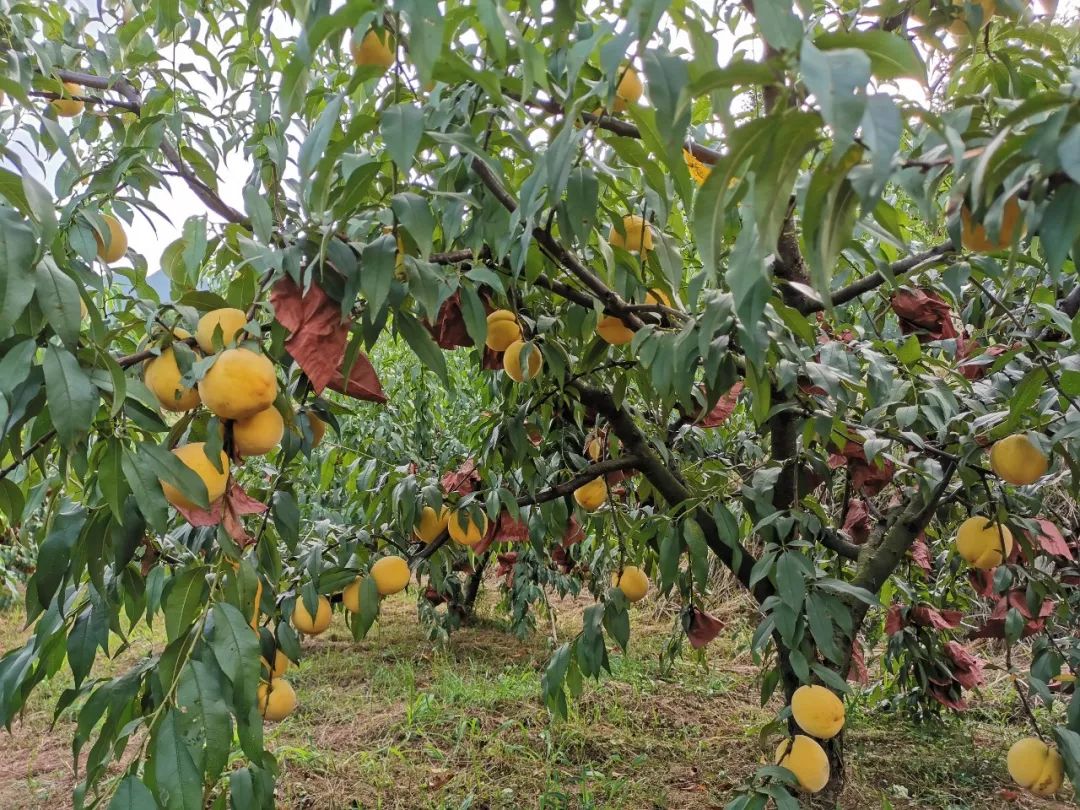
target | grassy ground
[{"x": 393, "y": 722}]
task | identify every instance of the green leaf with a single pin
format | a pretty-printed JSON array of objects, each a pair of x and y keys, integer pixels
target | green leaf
[
  {"x": 582, "y": 200},
  {"x": 287, "y": 517},
  {"x": 420, "y": 342},
  {"x": 140, "y": 476},
  {"x": 54, "y": 556},
  {"x": 185, "y": 595},
  {"x": 891, "y": 56},
  {"x": 426, "y": 24},
  {"x": 17, "y": 247},
  {"x": 699, "y": 552},
  {"x": 778, "y": 23},
  {"x": 822, "y": 628},
  {"x": 377, "y": 270},
  {"x": 668, "y": 78},
  {"x": 314, "y": 146},
  {"x": 294, "y": 81},
  {"x": 790, "y": 579},
  {"x": 258, "y": 209},
  {"x": 829, "y": 211},
  {"x": 617, "y": 619},
  {"x": 414, "y": 213},
  {"x": 81, "y": 647},
  {"x": 131, "y": 794},
  {"x": 72, "y": 398},
  {"x": 11, "y": 189},
  {"x": 472, "y": 310},
  {"x": 177, "y": 776},
  {"x": 402, "y": 126},
  {"x": 838, "y": 81},
  {"x": 847, "y": 589},
  {"x": 199, "y": 693},
  {"x": 739, "y": 71},
  {"x": 58, "y": 297},
  {"x": 1068, "y": 743},
  {"x": 236, "y": 650},
  {"x": 1060, "y": 226},
  {"x": 369, "y": 608}
]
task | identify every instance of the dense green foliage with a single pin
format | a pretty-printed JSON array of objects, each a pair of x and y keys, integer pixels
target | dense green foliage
[{"x": 823, "y": 279}]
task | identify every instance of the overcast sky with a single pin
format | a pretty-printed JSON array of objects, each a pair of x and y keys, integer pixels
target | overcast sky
[{"x": 179, "y": 203}]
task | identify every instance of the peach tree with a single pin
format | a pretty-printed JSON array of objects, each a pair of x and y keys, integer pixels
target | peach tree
[{"x": 607, "y": 295}]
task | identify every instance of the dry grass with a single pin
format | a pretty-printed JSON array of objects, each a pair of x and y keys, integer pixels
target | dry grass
[{"x": 392, "y": 722}]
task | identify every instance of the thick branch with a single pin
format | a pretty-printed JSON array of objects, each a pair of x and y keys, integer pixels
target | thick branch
[
  {"x": 917, "y": 261},
  {"x": 877, "y": 561},
  {"x": 673, "y": 489},
  {"x": 585, "y": 476}
]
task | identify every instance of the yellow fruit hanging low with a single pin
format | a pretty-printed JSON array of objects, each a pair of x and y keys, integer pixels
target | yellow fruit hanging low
[
  {"x": 1018, "y": 460},
  {"x": 806, "y": 759},
  {"x": 983, "y": 543},
  {"x": 239, "y": 384},
  {"x": 312, "y": 625},
  {"x": 974, "y": 236},
  {"x": 391, "y": 575},
  {"x": 632, "y": 582},
  {"x": 258, "y": 434},
  {"x": 636, "y": 235},
  {"x": 431, "y": 524},
  {"x": 593, "y": 495},
  {"x": 112, "y": 251},
  {"x": 503, "y": 329},
  {"x": 350, "y": 597},
  {"x": 194, "y": 458},
  {"x": 373, "y": 50},
  {"x": 630, "y": 89},
  {"x": 67, "y": 107},
  {"x": 512, "y": 361},
  {"x": 614, "y": 331},
  {"x": 1036, "y": 766},
  {"x": 277, "y": 700},
  {"x": 471, "y": 533},
  {"x": 281, "y": 664},
  {"x": 818, "y": 711},
  {"x": 162, "y": 376},
  {"x": 229, "y": 320}
]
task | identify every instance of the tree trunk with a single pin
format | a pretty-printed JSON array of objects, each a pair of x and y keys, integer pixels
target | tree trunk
[{"x": 472, "y": 589}]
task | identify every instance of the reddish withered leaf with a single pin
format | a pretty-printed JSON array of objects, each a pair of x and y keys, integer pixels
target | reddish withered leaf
[
  {"x": 318, "y": 339},
  {"x": 920, "y": 553},
  {"x": 574, "y": 533},
  {"x": 857, "y": 522},
  {"x": 1052, "y": 541},
  {"x": 724, "y": 407},
  {"x": 449, "y": 330},
  {"x": 363, "y": 382},
  {"x": 924, "y": 312},
  {"x": 318, "y": 335},
  {"x": 857, "y": 672},
  {"x": 967, "y": 668},
  {"x": 463, "y": 480},
  {"x": 703, "y": 628}
]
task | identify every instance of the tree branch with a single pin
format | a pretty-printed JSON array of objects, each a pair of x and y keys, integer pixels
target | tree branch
[
  {"x": 209, "y": 197},
  {"x": 673, "y": 489},
  {"x": 917, "y": 261},
  {"x": 590, "y": 473},
  {"x": 611, "y": 300},
  {"x": 616, "y": 126}
]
